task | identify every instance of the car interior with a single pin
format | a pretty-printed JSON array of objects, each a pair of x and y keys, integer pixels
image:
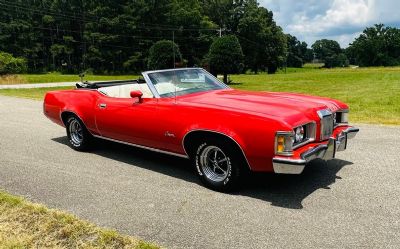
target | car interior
[
  {"x": 124, "y": 91},
  {"x": 118, "y": 89}
]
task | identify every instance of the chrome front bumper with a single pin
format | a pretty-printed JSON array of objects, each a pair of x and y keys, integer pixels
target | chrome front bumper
[{"x": 290, "y": 165}]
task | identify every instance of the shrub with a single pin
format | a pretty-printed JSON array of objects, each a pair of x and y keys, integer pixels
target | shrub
[
  {"x": 161, "y": 55},
  {"x": 12, "y": 65}
]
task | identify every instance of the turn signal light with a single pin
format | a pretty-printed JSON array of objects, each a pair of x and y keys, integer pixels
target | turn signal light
[
  {"x": 280, "y": 147},
  {"x": 284, "y": 143}
]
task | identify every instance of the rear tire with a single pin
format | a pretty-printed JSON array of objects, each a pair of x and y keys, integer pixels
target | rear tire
[
  {"x": 218, "y": 164},
  {"x": 78, "y": 136}
]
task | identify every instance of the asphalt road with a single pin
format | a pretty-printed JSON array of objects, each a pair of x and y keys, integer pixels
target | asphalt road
[{"x": 350, "y": 202}]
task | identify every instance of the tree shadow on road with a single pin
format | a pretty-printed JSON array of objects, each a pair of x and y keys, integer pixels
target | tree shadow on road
[{"x": 287, "y": 191}]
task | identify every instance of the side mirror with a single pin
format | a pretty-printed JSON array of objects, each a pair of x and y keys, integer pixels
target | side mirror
[{"x": 137, "y": 94}]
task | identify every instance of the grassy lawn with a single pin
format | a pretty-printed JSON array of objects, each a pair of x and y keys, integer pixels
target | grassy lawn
[
  {"x": 27, "y": 225},
  {"x": 57, "y": 77},
  {"x": 372, "y": 93},
  {"x": 31, "y": 93}
]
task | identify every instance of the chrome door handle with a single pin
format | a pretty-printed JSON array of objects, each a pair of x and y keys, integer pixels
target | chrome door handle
[{"x": 102, "y": 106}]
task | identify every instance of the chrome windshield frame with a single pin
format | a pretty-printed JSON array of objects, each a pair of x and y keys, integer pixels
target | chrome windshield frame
[{"x": 154, "y": 90}]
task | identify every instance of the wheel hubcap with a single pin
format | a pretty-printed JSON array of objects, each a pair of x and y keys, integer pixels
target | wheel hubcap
[
  {"x": 215, "y": 163},
  {"x": 75, "y": 131}
]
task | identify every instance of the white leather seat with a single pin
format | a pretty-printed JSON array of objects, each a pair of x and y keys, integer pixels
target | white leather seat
[
  {"x": 167, "y": 87},
  {"x": 124, "y": 91}
]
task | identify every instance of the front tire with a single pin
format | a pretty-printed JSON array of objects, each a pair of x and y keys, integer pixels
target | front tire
[
  {"x": 218, "y": 165},
  {"x": 78, "y": 136}
]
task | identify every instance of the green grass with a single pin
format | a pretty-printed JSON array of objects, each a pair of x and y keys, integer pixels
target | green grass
[
  {"x": 57, "y": 77},
  {"x": 31, "y": 93},
  {"x": 373, "y": 94},
  {"x": 27, "y": 225}
]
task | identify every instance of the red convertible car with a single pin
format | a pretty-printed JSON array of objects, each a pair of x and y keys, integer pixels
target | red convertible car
[{"x": 190, "y": 113}]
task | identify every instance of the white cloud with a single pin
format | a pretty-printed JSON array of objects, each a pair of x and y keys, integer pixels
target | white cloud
[{"x": 341, "y": 20}]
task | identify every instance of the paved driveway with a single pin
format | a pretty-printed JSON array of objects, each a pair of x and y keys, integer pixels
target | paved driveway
[{"x": 350, "y": 202}]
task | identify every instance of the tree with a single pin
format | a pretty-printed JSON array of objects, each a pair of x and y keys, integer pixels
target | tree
[
  {"x": 309, "y": 55},
  {"x": 376, "y": 46},
  {"x": 325, "y": 48},
  {"x": 226, "y": 56},
  {"x": 164, "y": 54},
  {"x": 337, "y": 60},
  {"x": 330, "y": 53},
  {"x": 11, "y": 65},
  {"x": 263, "y": 42},
  {"x": 296, "y": 52}
]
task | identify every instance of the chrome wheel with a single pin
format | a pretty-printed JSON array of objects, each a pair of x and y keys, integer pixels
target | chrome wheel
[
  {"x": 214, "y": 163},
  {"x": 76, "y": 132}
]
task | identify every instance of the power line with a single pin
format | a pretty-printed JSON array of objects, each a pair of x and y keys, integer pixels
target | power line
[{"x": 248, "y": 40}]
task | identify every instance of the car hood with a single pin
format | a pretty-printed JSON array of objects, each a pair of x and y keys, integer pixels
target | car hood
[{"x": 288, "y": 106}]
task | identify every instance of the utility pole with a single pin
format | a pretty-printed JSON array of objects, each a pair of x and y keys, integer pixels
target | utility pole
[
  {"x": 173, "y": 45},
  {"x": 82, "y": 27}
]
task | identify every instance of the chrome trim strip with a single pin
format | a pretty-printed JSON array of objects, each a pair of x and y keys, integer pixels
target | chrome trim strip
[
  {"x": 322, "y": 114},
  {"x": 290, "y": 161},
  {"x": 61, "y": 112},
  {"x": 150, "y": 85},
  {"x": 173, "y": 69},
  {"x": 183, "y": 140},
  {"x": 142, "y": 147},
  {"x": 283, "y": 167},
  {"x": 351, "y": 132}
]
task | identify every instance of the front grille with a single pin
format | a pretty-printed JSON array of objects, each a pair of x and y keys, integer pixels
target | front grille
[{"x": 327, "y": 124}]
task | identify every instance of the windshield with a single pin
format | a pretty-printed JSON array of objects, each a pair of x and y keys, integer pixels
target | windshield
[{"x": 184, "y": 81}]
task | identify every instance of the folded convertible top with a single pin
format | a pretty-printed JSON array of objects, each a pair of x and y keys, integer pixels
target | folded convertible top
[{"x": 96, "y": 85}]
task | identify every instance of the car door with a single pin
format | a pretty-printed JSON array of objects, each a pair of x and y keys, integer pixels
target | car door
[{"x": 127, "y": 120}]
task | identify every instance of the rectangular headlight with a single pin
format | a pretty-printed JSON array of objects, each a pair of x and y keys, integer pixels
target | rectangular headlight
[{"x": 284, "y": 143}]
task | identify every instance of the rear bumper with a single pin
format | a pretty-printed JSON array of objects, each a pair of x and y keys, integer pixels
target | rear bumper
[{"x": 325, "y": 151}]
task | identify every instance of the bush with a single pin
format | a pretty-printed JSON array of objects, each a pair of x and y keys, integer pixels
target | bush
[
  {"x": 226, "y": 56},
  {"x": 12, "y": 65},
  {"x": 161, "y": 55}
]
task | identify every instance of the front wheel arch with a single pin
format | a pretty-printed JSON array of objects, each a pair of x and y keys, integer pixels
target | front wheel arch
[{"x": 193, "y": 138}]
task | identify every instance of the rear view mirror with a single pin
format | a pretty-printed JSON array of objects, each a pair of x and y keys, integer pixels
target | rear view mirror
[{"x": 137, "y": 94}]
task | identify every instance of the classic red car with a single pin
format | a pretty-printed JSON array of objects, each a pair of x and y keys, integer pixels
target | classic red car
[{"x": 190, "y": 113}]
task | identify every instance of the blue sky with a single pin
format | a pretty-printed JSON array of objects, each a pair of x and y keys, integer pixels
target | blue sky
[{"x": 340, "y": 20}]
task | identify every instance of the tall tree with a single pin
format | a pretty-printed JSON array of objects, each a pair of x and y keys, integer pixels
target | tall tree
[
  {"x": 226, "y": 56},
  {"x": 376, "y": 46},
  {"x": 263, "y": 42},
  {"x": 330, "y": 53},
  {"x": 297, "y": 52},
  {"x": 164, "y": 54}
]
